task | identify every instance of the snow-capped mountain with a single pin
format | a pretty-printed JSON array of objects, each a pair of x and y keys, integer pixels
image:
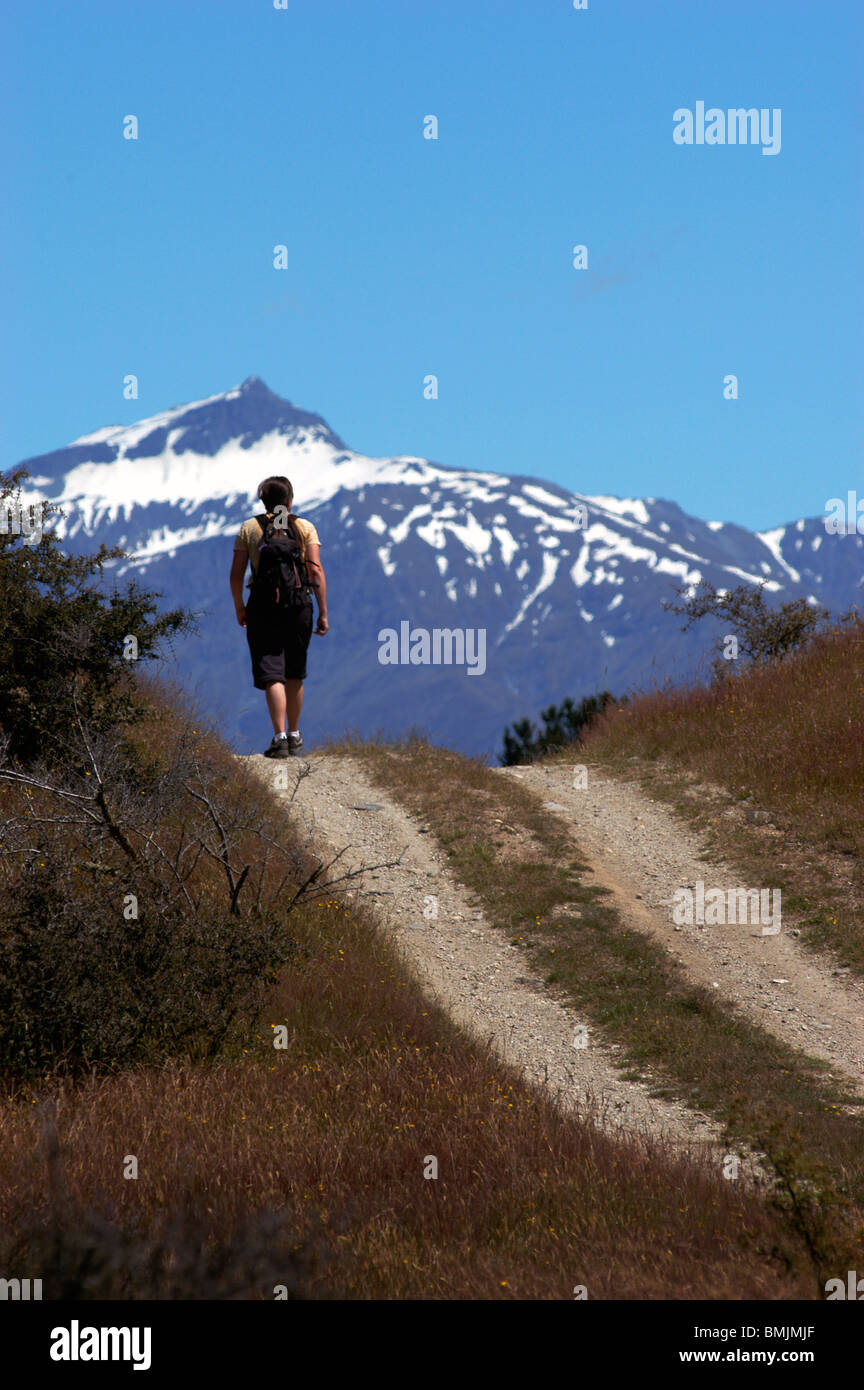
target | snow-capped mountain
[{"x": 567, "y": 587}]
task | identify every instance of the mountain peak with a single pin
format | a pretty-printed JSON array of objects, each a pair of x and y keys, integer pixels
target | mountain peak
[
  {"x": 248, "y": 411},
  {"x": 254, "y": 386},
  {"x": 245, "y": 414}
]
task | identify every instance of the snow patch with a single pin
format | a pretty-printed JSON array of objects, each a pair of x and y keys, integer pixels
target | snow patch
[
  {"x": 771, "y": 540},
  {"x": 623, "y": 506},
  {"x": 506, "y": 542},
  {"x": 433, "y": 533},
  {"x": 399, "y": 533},
  {"x": 387, "y": 565},
  {"x": 550, "y": 569},
  {"x": 540, "y": 494},
  {"x": 473, "y": 536}
]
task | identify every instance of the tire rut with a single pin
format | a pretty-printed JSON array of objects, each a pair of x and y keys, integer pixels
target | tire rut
[{"x": 639, "y": 851}]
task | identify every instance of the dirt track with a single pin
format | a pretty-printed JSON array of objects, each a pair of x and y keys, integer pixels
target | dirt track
[
  {"x": 467, "y": 965},
  {"x": 640, "y": 853}
]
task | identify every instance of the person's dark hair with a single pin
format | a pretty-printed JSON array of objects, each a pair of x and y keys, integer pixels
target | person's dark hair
[{"x": 276, "y": 492}]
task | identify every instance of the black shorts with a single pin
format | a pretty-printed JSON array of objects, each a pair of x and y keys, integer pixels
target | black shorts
[{"x": 278, "y": 646}]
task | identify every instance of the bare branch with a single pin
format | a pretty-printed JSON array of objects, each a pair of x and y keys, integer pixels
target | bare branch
[
  {"x": 241, "y": 880},
  {"x": 225, "y": 858},
  {"x": 25, "y": 779},
  {"x": 151, "y": 840}
]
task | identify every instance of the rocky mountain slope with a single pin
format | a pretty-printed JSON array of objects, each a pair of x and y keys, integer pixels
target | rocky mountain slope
[{"x": 567, "y": 588}]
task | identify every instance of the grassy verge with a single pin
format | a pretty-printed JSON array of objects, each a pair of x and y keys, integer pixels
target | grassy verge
[
  {"x": 518, "y": 860},
  {"x": 303, "y": 1167},
  {"x": 770, "y": 766}
]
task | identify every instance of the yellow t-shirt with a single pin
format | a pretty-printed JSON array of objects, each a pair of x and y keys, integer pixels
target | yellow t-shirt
[{"x": 250, "y": 535}]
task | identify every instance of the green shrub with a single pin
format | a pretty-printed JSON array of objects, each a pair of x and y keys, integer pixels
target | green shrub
[
  {"x": 63, "y": 635},
  {"x": 82, "y": 987},
  {"x": 145, "y": 903}
]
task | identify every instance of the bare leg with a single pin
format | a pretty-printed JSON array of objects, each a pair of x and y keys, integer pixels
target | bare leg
[
  {"x": 276, "y": 705},
  {"x": 294, "y": 703}
]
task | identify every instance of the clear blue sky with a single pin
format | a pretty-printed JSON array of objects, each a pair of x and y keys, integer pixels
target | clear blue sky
[{"x": 407, "y": 256}]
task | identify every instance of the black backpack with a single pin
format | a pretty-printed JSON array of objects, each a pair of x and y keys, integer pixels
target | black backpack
[{"x": 281, "y": 580}]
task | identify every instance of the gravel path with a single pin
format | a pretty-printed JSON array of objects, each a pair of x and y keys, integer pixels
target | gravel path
[
  {"x": 642, "y": 853},
  {"x": 468, "y": 966}
]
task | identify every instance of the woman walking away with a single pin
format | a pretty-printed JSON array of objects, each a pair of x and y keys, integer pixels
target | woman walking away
[{"x": 285, "y": 554}]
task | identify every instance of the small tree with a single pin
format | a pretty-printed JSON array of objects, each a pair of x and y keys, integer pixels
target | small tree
[
  {"x": 761, "y": 633},
  {"x": 562, "y": 724},
  {"x": 63, "y": 637}
]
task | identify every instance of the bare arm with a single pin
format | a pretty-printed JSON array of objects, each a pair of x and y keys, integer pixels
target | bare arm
[
  {"x": 238, "y": 570},
  {"x": 319, "y": 581}
]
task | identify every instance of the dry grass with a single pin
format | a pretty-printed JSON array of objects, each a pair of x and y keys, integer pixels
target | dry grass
[{"x": 304, "y": 1166}]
